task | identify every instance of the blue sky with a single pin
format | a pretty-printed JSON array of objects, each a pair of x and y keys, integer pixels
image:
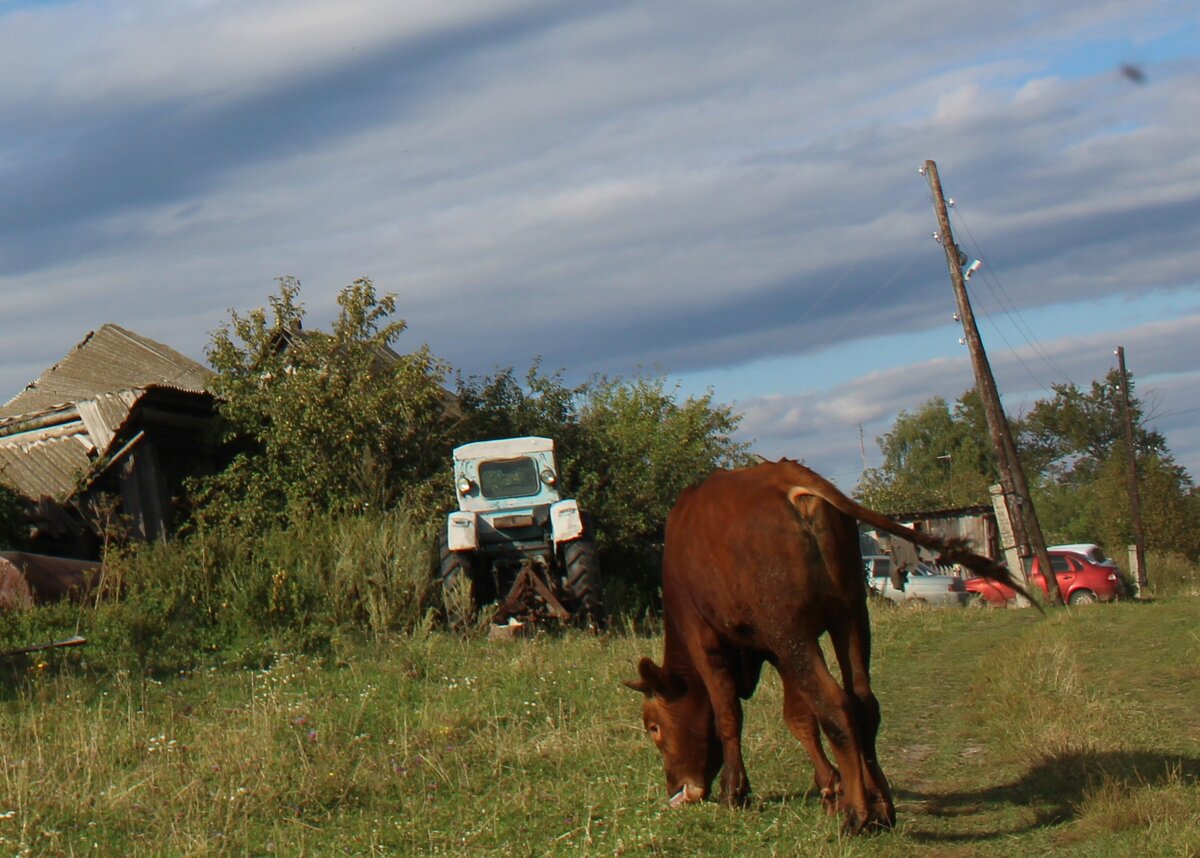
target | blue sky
[{"x": 726, "y": 193}]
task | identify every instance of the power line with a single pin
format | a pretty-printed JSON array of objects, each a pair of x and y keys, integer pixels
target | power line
[
  {"x": 1003, "y": 298},
  {"x": 896, "y": 274}
]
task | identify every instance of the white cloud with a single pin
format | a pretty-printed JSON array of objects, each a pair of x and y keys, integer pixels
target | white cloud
[{"x": 606, "y": 185}]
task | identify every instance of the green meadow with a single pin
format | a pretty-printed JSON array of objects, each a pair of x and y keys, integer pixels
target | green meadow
[{"x": 1004, "y": 733}]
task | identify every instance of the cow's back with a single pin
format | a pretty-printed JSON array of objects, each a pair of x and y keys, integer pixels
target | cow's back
[{"x": 746, "y": 561}]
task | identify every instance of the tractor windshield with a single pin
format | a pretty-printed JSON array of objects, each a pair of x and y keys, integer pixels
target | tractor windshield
[{"x": 508, "y": 478}]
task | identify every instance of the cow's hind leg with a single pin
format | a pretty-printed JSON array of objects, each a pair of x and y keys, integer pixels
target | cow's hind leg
[
  {"x": 809, "y": 677},
  {"x": 803, "y": 724},
  {"x": 852, "y": 643}
]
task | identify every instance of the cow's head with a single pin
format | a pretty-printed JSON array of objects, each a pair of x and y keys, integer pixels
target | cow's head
[{"x": 678, "y": 716}]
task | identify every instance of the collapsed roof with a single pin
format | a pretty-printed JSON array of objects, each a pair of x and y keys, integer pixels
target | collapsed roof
[{"x": 89, "y": 413}]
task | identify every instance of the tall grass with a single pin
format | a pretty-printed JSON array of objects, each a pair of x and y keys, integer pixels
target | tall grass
[
  {"x": 171, "y": 605},
  {"x": 291, "y": 696},
  {"x": 1172, "y": 574}
]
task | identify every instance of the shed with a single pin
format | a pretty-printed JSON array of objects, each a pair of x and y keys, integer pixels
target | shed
[
  {"x": 106, "y": 434},
  {"x": 975, "y": 523}
]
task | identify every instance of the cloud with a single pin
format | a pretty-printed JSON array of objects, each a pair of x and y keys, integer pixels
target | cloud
[{"x": 607, "y": 185}]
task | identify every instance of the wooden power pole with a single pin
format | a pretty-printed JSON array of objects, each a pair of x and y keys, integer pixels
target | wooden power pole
[
  {"x": 1131, "y": 476},
  {"x": 1012, "y": 475}
]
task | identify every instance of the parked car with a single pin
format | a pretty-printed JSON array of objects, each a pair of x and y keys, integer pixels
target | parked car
[
  {"x": 924, "y": 585},
  {"x": 1081, "y": 579}
]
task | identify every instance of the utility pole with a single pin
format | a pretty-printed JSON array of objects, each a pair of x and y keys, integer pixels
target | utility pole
[
  {"x": 1012, "y": 475},
  {"x": 1131, "y": 476}
]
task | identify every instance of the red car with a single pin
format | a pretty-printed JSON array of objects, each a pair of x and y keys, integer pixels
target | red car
[{"x": 1080, "y": 580}]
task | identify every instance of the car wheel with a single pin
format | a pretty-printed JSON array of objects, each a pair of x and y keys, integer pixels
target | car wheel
[{"x": 1082, "y": 597}]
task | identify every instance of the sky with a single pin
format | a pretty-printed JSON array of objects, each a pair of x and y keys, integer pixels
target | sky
[{"x": 727, "y": 194}]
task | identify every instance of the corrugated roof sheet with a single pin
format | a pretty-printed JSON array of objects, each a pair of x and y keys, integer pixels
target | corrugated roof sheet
[
  {"x": 108, "y": 359},
  {"x": 46, "y": 466},
  {"x": 106, "y": 414},
  {"x": 54, "y": 431}
]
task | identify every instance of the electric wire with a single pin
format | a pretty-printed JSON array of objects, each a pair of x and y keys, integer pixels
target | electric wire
[
  {"x": 836, "y": 332},
  {"x": 1000, "y": 294}
]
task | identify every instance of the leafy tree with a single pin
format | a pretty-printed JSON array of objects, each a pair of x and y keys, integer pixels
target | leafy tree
[
  {"x": 323, "y": 421},
  {"x": 1068, "y": 437},
  {"x": 500, "y": 406},
  {"x": 12, "y": 518},
  {"x": 642, "y": 447},
  {"x": 938, "y": 457},
  {"x": 1076, "y": 441}
]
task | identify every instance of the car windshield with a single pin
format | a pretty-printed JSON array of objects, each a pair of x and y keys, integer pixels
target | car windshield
[{"x": 508, "y": 478}]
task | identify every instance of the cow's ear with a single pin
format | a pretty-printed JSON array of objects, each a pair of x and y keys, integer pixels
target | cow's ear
[{"x": 654, "y": 681}]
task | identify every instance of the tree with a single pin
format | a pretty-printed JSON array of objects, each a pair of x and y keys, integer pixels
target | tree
[
  {"x": 500, "y": 406},
  {"x": 938, "y": 457},
  {"x": 323, "y": 421},
  {"x": 1068, "y": 437},
  {"x": 641, "y": 447},
  {"x": 1077, "y": 442}
]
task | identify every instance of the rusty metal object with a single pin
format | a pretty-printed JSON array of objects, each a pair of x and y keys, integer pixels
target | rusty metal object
[
  {"x": 529, "y": 597},
  {"x": 74, "y": 640},
  {"x": 33, "y": 579}
]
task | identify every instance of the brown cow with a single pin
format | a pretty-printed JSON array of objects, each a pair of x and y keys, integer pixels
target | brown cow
[{"x": 758, "y": 563}]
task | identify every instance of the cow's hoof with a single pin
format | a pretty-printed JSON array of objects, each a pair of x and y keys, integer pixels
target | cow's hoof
[
  {"x": 872, "y": 820},
  {"x": 736, "y": 799},
  {"x": 830, "y": 801}
]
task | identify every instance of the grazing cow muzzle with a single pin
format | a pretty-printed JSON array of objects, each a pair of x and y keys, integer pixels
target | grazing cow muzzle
[{"x": 687, "y": 794}]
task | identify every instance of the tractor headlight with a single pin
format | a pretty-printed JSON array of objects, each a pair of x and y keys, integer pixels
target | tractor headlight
[
  {"x": 548, "y": 477},
  {"x": 465, "y": 486}
]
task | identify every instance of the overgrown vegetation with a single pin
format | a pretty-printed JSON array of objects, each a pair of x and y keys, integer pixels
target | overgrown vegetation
[
  {"x": 12, "y": 529},
  {"x": 218, "y": 595},
  {"x": 341, "y": 423},
  {"x": 1003, "y": 734},
  {"x": 322, "y": 422}
]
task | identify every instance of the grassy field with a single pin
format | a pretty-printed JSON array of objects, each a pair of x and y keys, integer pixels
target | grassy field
[{"x": 1004, "y": 734}]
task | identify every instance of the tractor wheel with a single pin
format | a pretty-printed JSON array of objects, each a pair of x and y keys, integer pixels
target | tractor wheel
[
  {"x": 459, "y": 597},
  {"x": 583, "y": 582}
]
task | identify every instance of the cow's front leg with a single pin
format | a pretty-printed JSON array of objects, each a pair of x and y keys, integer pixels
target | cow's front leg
[{"x": 720, "y": 680}]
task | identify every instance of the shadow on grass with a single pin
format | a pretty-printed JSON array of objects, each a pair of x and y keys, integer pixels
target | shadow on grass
[{"x": 1054, "y": 789}]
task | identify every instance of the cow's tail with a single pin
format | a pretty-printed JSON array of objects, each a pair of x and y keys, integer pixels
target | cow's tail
[{"x": 949, "y": 551}]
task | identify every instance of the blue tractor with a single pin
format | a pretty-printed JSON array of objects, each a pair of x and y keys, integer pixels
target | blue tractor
[{"x": 514, "y": 541}]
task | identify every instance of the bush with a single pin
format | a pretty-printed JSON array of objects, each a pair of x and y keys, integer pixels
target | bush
[
  {"x": 294, "y": 588},
  {"x": 12, "y": 519},
  {"x": 1172, "y": 574}
]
